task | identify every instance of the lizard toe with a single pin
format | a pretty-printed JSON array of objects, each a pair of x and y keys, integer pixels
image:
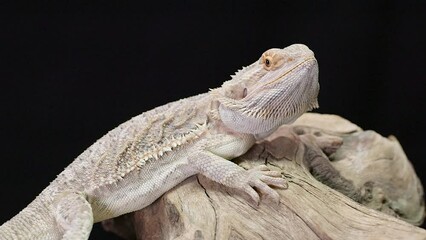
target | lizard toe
[
  {"x": 261, "y": 167},
  {"x": 262, "y": 178},
  {"x": 266, "y": 191},
  {"x": 278, "y": 182},
  {"x": 254, "y": 196}
]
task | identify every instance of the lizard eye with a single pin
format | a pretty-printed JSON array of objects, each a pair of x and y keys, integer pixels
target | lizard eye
[{"x": 268, "y": 62}]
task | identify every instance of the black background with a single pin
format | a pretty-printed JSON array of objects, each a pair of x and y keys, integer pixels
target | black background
[{"x": 70, "y": 72}]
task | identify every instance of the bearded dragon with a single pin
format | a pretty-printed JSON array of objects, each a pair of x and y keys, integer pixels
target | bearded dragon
[{"x": 141, "y": 159}]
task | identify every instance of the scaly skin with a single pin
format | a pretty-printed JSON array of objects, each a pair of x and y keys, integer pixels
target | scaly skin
[{"x": 134, "y": 164}]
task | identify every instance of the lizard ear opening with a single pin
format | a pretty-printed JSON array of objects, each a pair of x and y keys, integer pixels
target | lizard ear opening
[{"x": 244, "y": 92}]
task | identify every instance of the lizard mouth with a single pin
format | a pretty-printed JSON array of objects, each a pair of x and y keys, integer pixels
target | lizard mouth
[
  {"x": 307, "y": 61},
  {"x": 275, "y": 102}
]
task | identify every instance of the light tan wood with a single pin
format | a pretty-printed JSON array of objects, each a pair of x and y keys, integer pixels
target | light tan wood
[{"x": 309, "y": 209}]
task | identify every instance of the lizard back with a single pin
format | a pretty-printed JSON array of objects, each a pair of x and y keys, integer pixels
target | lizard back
[{"x": 146, "y": 137}]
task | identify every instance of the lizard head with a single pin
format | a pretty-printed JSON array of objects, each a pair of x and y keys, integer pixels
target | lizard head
[{"x": 275, "y": 90}]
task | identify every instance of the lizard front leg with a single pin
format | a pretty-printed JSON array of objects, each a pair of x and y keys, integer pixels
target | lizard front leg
[
  {"x": 231, "y": 175},
  {"x": 212, "y": 163}
]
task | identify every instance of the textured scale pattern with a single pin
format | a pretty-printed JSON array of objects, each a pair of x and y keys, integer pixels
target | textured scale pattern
[
  {"x": 158, "y": 132},
  {"x": 138, "y": 161}
]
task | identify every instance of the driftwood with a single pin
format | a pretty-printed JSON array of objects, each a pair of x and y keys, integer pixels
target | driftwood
[{"x": 344, "y": 183}]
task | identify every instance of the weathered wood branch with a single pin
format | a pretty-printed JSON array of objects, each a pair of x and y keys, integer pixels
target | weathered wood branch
[{"x": 325, "y": 199}]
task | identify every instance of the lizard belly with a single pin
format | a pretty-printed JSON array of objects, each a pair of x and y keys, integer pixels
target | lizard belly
[{"x": 141, "y": 187}]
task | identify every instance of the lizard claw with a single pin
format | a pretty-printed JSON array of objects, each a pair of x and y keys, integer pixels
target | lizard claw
[{"x": 261, "y": 178}]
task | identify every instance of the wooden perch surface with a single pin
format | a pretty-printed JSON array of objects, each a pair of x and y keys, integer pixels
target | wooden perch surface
[{"x": 344, "y": 183}]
